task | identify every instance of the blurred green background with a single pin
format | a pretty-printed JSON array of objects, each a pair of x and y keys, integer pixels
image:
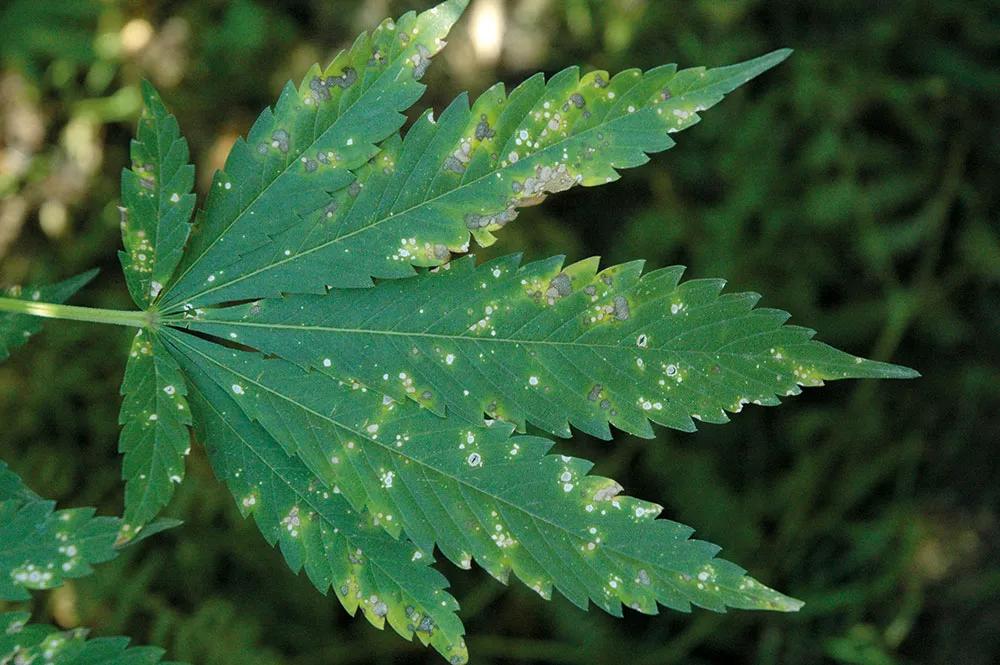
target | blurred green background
[{"x": 855, "y": 186}]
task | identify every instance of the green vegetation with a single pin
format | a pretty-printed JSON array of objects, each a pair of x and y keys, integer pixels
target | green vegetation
[{"x": 841, "y": 496}]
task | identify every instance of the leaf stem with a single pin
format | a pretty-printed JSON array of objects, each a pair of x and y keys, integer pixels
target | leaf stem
[{"x": 46, "y": 310}]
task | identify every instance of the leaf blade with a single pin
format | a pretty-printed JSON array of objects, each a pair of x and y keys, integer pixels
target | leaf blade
[
  {"x": 158, "y": 201},
  {"x": 549, "y": 344},
  {"x": 154, "y": 439}
]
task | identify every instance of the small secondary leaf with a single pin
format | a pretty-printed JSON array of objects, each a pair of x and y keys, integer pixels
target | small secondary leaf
[
  {"x": 158, "y": 202},
  {"x": 550, "y": 345},
  {"x": 317, "y": 530},
  {"x": 477, "y": 493},
  {"x": 469, "y": 172},
  {"x": 40, "y": 547},
  {"x": 21, "y": 642},
  {"x": 154, "y": 437},
  {"x": 297, "y": 154},
  {"x": 15, "y": 329}
]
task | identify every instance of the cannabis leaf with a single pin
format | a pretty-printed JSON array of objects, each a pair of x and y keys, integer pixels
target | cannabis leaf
[
  {"x": 158, "y": 202},
  {"x": 339, "y": 547},
  {"x": 478, "y": 493},
  {"x": 348, "y": 421},
  {"x": 21, "y": 642},
  {"x": 466, "y": 173},
  {"x": 549, "y": 344},
  {"x": 298, "y": 154},
  {"x": 15, "y": 329},
  {"x": 41, "y": 547}
]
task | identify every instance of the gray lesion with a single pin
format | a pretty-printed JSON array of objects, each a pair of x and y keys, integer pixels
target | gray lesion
[
  {"x": 474, "y": 221},
  {"x": 320, "y": 86},
  {"x": 421, "y": 61},
  {"x": 483, "y": 129}
]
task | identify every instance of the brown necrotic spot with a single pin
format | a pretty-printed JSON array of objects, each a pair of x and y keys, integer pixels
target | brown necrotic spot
[{"x": 595, "y": 393}]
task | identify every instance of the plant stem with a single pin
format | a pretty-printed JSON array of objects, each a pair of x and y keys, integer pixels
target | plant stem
[{"x": 69, "y": 312}]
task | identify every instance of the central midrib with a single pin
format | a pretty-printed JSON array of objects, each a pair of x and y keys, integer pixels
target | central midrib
[{"x": 453, "y": 338}]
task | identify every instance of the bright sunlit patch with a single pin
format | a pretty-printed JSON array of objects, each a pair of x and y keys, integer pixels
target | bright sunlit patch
[{"x": 487, "y": 23}]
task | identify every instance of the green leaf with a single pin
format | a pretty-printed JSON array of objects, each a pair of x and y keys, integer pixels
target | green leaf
[
  {"x": 477, "y": 493},
  {"x": 317, "y": 530},
  {"x": 15, "y": 329},
  {"x": 158, "y": 202},
  {"x": 154, "y": 437},
  {"x": 41, "y": 547},
  {"x": 297, "y": 154},
  {"x": 468, "y": 173},
  {"x": 550, "y": 345},
  {"x": 12, "y": 488},
  {"x": 21, "y": 642}
]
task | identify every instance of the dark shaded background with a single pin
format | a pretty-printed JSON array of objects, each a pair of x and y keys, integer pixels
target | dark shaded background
[{"x": 855, "y": 186}]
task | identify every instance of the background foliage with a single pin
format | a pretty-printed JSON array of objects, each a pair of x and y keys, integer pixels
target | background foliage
[{"x": 855, "y": 186}]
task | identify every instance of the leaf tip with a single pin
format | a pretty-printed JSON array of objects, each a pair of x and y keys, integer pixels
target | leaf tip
[
  {"x": 873, "y": 369},
  {"x": 151, "y": 97},
  {"x": 788, "y": 604},
  {"x": 761, "y": 64},
  {"x": 450, "y": 10},
  {"x": 87, "y": 277}
]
